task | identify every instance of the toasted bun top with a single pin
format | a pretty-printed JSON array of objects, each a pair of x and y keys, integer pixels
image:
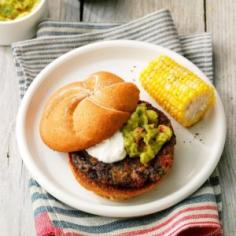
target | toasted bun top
[{"x": 82, "y": 114}]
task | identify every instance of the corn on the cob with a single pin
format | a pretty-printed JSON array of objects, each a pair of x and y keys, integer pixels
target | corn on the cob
[{"x": 179, "y": 91}]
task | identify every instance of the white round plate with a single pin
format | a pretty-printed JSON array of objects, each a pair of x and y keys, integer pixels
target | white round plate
[{"x": 197, "y": 152}]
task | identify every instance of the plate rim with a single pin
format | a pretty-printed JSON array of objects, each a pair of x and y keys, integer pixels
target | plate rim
[{"x": 95, "y": 208}]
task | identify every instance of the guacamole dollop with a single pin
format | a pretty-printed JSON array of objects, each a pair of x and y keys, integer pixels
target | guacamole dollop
[
  {"x": 12, "y": 9},
  {"x": 142, "y": 136}
]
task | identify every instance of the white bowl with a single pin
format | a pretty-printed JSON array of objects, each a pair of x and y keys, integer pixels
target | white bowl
[{"x": 22, "y": 28}]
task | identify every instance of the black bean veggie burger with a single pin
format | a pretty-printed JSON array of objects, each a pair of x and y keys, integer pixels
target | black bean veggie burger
[{"x": 119, "y": 147}]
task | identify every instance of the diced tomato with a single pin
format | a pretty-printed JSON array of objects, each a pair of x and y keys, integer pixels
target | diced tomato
[{"x": 166, "y": 161}]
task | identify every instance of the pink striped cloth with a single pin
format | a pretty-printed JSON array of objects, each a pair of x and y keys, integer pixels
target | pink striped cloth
[
  {"x": 197, "y": 215},
  {"x": 191, "y": 221},
  {"x": 186, "y": 225}
]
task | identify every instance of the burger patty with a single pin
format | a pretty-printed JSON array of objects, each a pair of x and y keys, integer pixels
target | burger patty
[{"x": 130, "y": 172}]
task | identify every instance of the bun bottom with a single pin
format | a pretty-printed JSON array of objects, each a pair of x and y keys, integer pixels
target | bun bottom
[{"x": 110, "y": 192}]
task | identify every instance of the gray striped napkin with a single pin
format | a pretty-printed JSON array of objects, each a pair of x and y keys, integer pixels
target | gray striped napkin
[{"x": 56, "y": 38}]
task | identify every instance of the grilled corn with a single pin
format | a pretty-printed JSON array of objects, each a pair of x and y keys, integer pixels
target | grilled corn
[{"x": 179, "y": 91}]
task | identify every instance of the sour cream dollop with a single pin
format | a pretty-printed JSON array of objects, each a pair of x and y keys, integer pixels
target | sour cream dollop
[{"x": 110, "y": 150}]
